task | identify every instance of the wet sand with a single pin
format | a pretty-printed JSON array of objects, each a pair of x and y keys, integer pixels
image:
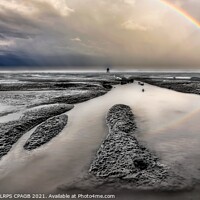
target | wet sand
[{"x": 159, "y": 113}]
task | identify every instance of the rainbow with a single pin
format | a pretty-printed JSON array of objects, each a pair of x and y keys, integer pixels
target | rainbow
[
  {"x": 180, "y": 122},
  {"x": 182, "y": 12}
]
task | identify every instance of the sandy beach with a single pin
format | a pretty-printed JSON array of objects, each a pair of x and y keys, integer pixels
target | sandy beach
[{"x": 167, "y": 124}]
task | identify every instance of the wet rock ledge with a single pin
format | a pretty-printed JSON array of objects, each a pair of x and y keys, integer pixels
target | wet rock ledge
[
  {"x": 46, "y": 132},
  {"x": 185, "y": 86},
  {"x": 10, "y": 132},
  {"x": 122, "y": 159}
]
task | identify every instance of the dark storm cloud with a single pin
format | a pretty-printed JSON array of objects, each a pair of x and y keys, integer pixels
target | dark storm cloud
[
  {"x": 133, "y": 33},
  {"x": 6, "y": 33},
  {"x": 51, "y": 61}
]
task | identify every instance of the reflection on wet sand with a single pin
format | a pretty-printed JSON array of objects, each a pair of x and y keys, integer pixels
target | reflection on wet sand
[{"x": 158, "y": 113}]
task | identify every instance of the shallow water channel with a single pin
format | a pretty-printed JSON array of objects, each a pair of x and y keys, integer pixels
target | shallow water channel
[{"x": 168, "y": 123}]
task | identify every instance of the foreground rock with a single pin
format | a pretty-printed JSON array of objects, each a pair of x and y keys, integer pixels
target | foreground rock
[
  {"x": 122, "y": 162},
  {"x": 11, "y": 131},
  {"x": 122, "y": 156},
  {"x": 46, "y": 132}
]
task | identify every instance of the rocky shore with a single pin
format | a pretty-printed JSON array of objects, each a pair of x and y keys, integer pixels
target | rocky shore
[
  {"x": 42, "y": 96},
  {"x": 32, "y": 85},
  {"x": 71, "y": 98},
  {"x": 185, "y": 86},
  {"x": 46, "y": 132},
  {"x": 12, "y": 131}
]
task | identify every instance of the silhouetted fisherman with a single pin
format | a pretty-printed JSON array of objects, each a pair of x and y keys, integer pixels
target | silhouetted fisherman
[
  {"x": 108, "y": 70},
  {"x": 123, "y": 81},
  {"x": 131, "y": 80}
]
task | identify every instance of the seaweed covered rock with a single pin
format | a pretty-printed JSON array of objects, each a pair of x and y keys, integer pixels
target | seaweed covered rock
[
  {"x": 46, "y": 132},
  {"x": 10, "y": 132}
]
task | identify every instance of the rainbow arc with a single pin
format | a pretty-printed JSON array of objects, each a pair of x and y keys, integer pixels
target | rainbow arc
[{"x": 182, "y": 12}]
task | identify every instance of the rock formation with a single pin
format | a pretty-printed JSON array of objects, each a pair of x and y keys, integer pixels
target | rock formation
[
  {"x": 46, "y": 132},
  {"x": 121, "y": 156},
  {"x": 10, "y": 132}
]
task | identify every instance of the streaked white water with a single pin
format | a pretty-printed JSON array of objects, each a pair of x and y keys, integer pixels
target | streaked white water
[{"x": 159, "y": 113}]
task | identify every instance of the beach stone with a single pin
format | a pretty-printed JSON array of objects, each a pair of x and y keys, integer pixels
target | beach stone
[{"x": 46, "y": 132}]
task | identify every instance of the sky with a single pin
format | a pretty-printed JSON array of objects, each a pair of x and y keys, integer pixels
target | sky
[{"x": 88, "y": 34}]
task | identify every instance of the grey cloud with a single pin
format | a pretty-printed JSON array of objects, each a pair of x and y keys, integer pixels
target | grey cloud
[
  {"x": 191, "y": 6},
  {"x": 2, "y": 36},
  {"x": 48, "y": 37}
]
